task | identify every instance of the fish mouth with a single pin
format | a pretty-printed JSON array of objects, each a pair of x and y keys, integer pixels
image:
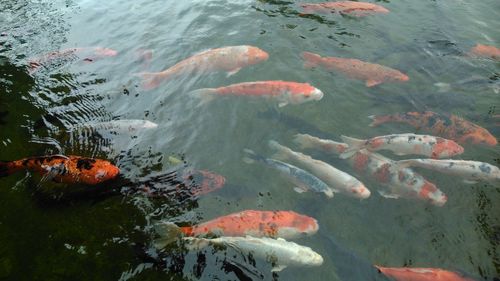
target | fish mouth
[{"x": 317, "y": 94}]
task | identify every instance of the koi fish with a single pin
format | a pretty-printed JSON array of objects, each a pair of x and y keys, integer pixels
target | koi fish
[
  {"x": 281, "y": 252},
  {"x": 344, "y": 7},
  {"x": 471, "y": 171},
  {"x": 304, "y": 180},
  {"x": 422, "y": 274},
  {"x": 485, "y": 51},
  {"x": 373, "y": 74},
  {"x": 119, "y": 126},
  {"x": 86, "y": 54},
  {"x": 336, "y": 179},
  {"x": 404, "y": 144},
  {"x": 282, "y": 91},
  {"x": 64, "y": 169},
  {"x": 399, "y": 182},
  {"x": 447, "y": 126},
  {"x": 283, "y": 224},
  {"x": 230, "y": 59}
]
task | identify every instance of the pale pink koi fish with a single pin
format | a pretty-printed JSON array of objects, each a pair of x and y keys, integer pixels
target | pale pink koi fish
[
  {"x": 358, "y": 9},
  {"x": 372, "y": 73},
  {"x": 230, "y": 59},
  {"x": 485, "y": 51},
  {"x": 282, "y": 91}
]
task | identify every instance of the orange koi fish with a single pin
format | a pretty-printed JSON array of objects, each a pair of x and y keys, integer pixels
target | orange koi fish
[
  {"x": 444, "y": 125},
  {"x": 282, "y": 224},
  {"x": 282, "y": 91},
  {"x": 485, "y": 51},
  {"x": 64, "y": 169},
  {"x": 373, "y": 74},
  {"x": 230, "y": 59},
  {"x": 357, "y": 9},
  {"x": 87, "y": 54},
  {"x": 422, "y": 274}
]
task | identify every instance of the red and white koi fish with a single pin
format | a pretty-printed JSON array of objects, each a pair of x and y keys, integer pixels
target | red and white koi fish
[
  {"x": 372, "y": 73},
  {"x": 282, "y": 91},
  {"x": 422, "y": 274},
  {"x": 471, "y": 171},
  {"x": 445, "y": 125},
  {"x": 230, "y": 59},
  {"x": 485, "y": 51},
  {"x": 357, "y": 9},
  {"x": 283, "y": 224},
  {"x": 64, "y": 169},
  {"x": 336, "y": 179},
  {"x": 404, "y": 144},
  {"x": 399, "y": 181},
  {"x": 86, "y": 54}
]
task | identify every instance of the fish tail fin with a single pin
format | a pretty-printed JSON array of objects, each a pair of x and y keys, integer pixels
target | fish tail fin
[
  {"x": 151, "y": 80},
  {"x": 6, "y": 168},
  {"x": 168, "y": 232},
  {"x": 250, "y": 156},
  {"x": 281, "y": 153},
  {"x": 377, "y": 120},
  {"x": 354, "y": 146},
  {"x": 206, "y": 95},
  {"x": 443, "y": 87},
  {"x": 310, "y": 59}
]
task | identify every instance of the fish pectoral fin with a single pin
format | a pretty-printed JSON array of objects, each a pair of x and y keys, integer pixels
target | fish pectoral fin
[
  {"x": 371, "y": 83},
  {"x": 283, "y": 103},
  {"x": 348, "y": 153},
  {"x": 278, "y": 267},
  {"x": 233, "y": 72},
  {"x": 388, "y": 195},
  {"x": 300, "y": 189}
]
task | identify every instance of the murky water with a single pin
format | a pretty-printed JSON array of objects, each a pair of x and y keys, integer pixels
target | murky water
[{"x": 109, "y": 237}]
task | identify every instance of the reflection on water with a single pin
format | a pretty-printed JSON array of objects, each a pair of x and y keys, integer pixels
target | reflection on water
[{"x": 189, "y": 169}]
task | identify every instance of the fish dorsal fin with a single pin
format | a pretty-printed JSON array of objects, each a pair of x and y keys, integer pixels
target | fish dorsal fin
[{"x": 371, "y": 83}]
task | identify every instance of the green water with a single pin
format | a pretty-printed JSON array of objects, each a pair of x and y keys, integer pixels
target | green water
[{"x": 104, "y": 238}]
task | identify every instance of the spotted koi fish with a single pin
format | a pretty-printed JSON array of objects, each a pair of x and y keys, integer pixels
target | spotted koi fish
[
  {"x": 399, "y": 182},
  {"x": 336, "y": 179},
  {"x": 422, "y": 274},
  {"x": 447, "y": 126},
  {"x": 282, "y": 91},
  {"x": 344, "y": 7},
  {"x": 304, "y": 180},
  {"x": 404, "y": 144},
  {"x": 230, "y": 59},
  {"x": 284, "y": 224},
  {"x": 485, "y": 51},
  {"x": 373, "y": 74},
  {"x": 64, "y": 169},
  {"x": 471, "y": 171}
]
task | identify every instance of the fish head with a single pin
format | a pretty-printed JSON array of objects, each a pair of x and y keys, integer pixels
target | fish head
[
  {"x": 480, "y": 136},
  {"x": 400, "y": 77},
  {"x": 360, "y": 191},
  {"x": 306, "y": 256},
  {"x": 305, "y": 224},
  {"x": 206, "y": 181},
  {"x": 446, "y": 148},
  {"x": 149, "y": 125},
  {"x": 256, "y": 55},
  {"x": 430, "y": 192},
  {"x": 380, "y": 9},
  {"x": 105, "y": 52},
  {"x": 304, "y": 93},
  {"x": 102, "y": 171}
]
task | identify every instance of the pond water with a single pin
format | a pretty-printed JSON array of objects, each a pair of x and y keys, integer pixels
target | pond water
[{"x": 109, "y": 237}]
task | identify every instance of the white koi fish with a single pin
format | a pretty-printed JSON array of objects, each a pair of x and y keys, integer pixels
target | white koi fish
[
  {"x": 119, "y": 126},
  {"x": 338, "y": 180},
  {"x": 281, "y": 252},
  {"x": 304, "y": 180},
  {"x": 471, "y": 171},
  {"x": 400, "y": 182},
  {"x": 404, "y": 144}
]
